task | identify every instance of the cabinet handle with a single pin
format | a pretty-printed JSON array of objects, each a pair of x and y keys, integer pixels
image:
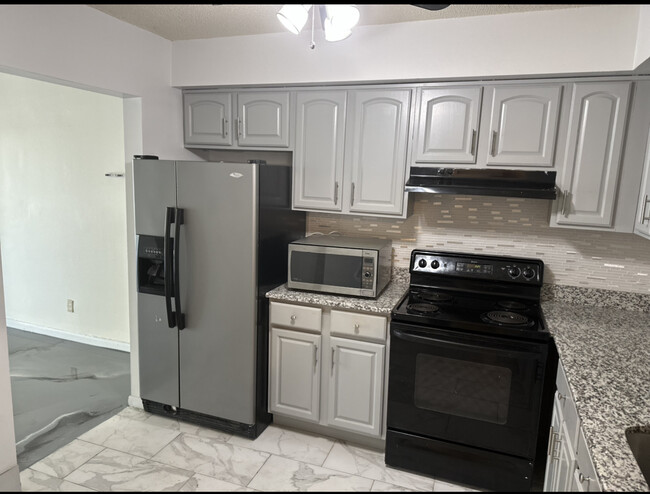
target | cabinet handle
[
  {"x": 333, "y": 353},
  {"x": 566, "y": 203},
  {"x": 352, "y": 196},
  {"x": 645, "y": 218},
  {"x": 583, "y": 479},
  {"x": 551, "y": 442},
  {"x": 315, "y": 356},
  {"x": 554, "y": 454},
  {"x": 239, "y": 127},
  {"x": 225, "y": 127},
  {"x": 336, "y": 192},
  {"x": 472, "y": 151},
  {"x": 493, "y": 151}
]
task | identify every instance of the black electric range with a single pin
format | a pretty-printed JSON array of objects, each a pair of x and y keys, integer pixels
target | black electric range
[{"x": 471, "y": 371}]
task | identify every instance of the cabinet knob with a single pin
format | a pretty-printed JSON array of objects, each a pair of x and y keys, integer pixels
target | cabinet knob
[
  {"x": 560, "y": 396},
  {"x": 356, "y": 328},
  {"x": 583, "y": 479},
  {"x": 293, "y": 318}
]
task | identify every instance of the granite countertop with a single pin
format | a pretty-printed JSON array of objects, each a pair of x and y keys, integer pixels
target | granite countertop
[
  {"x": 383, "y": 304},
  {"x": 605, "y": 351}
]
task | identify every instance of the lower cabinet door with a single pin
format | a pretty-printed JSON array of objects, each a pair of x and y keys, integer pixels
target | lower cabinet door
[
  {"x": 295, "y": 374},
  {"x": 356, "y": 385}
]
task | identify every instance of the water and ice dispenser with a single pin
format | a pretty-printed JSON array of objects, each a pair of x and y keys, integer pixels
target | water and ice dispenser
[{"x": 151, "y": 271}]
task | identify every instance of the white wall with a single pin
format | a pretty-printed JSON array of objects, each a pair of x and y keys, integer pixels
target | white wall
[
  {"x": 81, "y": 46},
  {"x": 642, "y": 52},
  {"x": 586, "y": 39},
  {"x": 62, "y": 221}
]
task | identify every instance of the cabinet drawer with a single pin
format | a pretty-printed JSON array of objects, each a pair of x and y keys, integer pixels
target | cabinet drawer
[
  {"x": 353, "y": 324},
  {"x": 588, "y": 481},
  {"x": 296, "y": 316}
]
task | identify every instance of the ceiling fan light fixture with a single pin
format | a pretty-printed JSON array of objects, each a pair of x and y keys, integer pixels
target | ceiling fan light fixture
[
  {"x": 339, "y": 21},
  {"x": 294, "y": 17}
]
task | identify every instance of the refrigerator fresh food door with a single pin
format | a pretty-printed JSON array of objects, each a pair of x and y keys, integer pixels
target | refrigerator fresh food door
[
  {"x": 154, "y": 184},
  {"x": 217, "y": 278}
]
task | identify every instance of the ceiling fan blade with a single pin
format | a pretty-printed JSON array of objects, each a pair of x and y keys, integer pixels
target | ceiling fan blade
[{"x": 431, "y": 7}]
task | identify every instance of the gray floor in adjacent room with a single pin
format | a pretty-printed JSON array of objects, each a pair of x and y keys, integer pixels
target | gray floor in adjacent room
[{"x": 60, "y": 390}]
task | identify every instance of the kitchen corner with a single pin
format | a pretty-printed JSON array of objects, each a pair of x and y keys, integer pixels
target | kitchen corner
[{"x": 603, "y": 340}]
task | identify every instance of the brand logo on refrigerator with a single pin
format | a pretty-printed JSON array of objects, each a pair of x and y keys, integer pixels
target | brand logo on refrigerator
[{"x": 236, "y": 175}]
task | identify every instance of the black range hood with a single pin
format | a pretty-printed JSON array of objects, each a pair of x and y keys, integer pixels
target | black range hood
[{"x": 482, "y": 182}]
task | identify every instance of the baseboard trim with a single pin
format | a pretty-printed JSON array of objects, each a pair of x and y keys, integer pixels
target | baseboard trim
[
  {"x": 10, "y": 480},
  {"x": 135, "y": 401},
  {"x": 64, "y": 335}
]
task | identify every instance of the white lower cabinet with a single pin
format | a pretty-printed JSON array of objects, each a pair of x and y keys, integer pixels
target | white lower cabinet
[
  {"x": 568, "y": 464},
  {"x": 332, "y": 373},
  {"x": 356, "y": 385},
  {"x": 295, "y": 376}
]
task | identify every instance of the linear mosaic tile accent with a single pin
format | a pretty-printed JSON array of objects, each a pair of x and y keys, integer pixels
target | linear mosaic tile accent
[{"x": 505, "y": 226}]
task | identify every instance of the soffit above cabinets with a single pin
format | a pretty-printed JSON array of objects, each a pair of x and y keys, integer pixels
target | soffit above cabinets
[{"x": 177, "y": 22}]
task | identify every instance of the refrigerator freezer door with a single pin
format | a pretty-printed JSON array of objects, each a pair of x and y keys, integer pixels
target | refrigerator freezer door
[
  {"x": 158, "y": 351},
  {"x": 154, "y": 183},
  {"x": 218, "y": 241}
]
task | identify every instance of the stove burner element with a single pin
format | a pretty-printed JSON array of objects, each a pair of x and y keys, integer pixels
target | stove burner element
[
  {"x": 512, "y": 305},
  {"x": 433, "y": 296},
  {"x": 422, "y": 308},
  {"x": 505, "y": 317}
]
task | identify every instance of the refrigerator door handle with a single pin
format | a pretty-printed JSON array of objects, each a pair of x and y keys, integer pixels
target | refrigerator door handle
[
  {"x": 168, "y": 247},
  {"x": 180, "y": 317}
]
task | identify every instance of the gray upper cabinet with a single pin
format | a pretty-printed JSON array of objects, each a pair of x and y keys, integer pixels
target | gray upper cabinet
[
  {"x": 447, "y": 129},
  {"x": 377, "y": 133},
  {"x": 642, "y": 226},
  {"x": 350, "y": 151},
  {"x": 592, "y": 161},
  {"x": 521, "y": 125},
  {"x": 261, "y": 119},
  {"x": 318, "y": 155},
  {"x": 208, "y": 119}
]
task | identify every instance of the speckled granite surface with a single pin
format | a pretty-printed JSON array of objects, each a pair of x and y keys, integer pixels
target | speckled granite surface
[
  {"x": 605, "y": 352},
  {"x": 383, "y": 304},
  {"x": 597, "y": 297}
]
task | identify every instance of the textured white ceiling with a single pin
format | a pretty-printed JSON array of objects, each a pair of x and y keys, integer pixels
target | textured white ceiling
[{"x": 197, "y": 21}]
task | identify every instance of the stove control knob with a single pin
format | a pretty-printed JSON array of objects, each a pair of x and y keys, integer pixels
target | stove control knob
[
  {"x": 529, "y": 273},
  {"x": 435, "y": 264},
  {"x": 422, "y": 263},
  {"x": 514, "y": 271}
]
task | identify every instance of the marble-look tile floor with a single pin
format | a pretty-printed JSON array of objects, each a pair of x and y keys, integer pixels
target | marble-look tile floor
[
  {"x": 137, "y": 451},
  {"x": 61, "y": 389}
]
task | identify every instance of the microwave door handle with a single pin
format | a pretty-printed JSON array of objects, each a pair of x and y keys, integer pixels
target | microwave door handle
[
  {"x": 180, "y": 317},
  {"x": 168, "y": 270}
]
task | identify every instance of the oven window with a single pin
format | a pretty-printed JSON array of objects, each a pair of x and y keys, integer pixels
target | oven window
[
  {"x": 466, "y": 389},
  {"x": 326, "y": 269}
]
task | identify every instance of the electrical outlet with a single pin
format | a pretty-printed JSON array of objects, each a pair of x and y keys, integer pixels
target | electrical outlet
[{"x": 70, "y": 305}]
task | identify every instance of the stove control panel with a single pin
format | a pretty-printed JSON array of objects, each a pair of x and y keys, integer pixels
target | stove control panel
[{"x": 493, "y": 268}]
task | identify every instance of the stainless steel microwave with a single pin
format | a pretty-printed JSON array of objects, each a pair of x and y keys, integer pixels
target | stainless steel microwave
[{"x": 340, "y": 265}]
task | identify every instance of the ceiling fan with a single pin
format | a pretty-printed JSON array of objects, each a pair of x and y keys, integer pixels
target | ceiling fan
[{"x": 337, "y": 20}]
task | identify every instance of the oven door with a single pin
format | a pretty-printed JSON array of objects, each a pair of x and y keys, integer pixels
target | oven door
[{"x": 474, "y": 390}]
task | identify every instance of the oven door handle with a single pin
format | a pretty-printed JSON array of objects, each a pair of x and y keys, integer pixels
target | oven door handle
[{"x": 431, "y": 341}]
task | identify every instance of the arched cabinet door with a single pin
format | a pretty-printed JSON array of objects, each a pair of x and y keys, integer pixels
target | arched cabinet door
[
  {"x": 523, "y": 125},
  {"x": 318, "y": 155},
  {"x": 377, "y": 130},
  {"x": 263, "y": 119},
  {"x": 589, "y": 180},
  {"x": 447, "y": 130},
  {"x": 208, "y": 119}
]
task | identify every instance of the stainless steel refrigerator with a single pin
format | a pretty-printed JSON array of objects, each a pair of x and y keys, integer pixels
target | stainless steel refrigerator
[{"x": 212, "y": 240}]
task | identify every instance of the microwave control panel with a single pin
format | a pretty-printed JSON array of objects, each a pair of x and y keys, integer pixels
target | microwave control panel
[{"x": 368, "y": 270}]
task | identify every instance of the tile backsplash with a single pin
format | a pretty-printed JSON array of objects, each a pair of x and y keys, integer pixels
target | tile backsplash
[{"x": 505, "y": 226}]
